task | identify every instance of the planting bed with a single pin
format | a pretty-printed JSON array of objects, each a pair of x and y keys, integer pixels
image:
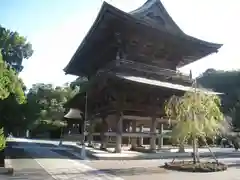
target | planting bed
[{"x": 189, "y": 166}]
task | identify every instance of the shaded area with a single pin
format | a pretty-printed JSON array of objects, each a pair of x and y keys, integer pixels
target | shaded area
[
  {"x": 66, "y": 154},
  {"x": 234, "y": 165},
  {"x": 25, "y": 167},
  {"x": 66, "y": 151},
  {"x": 26, "y": 144},
  {"x": 131, "y": 171}
]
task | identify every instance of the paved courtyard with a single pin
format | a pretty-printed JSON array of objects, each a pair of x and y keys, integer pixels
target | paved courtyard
[
  {"x": 35, "y": 161},
  {"x": 149, "y": 169}
]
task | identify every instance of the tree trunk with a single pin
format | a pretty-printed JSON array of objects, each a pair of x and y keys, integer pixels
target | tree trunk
[
  {"x": 213, "y": 155},
  {"x": 181, "y": 148},
  {"x": 194, "y": 154},
  {"x": 2, "y": 158}
]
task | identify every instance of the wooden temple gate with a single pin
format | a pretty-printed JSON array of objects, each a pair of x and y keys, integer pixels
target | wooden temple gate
[{"x": 131, "y": 61}]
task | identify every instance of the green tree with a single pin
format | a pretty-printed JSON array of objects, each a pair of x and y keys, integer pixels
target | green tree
[
  {"x": 2, "y": 140},
  {"x": 11, "y": 88},
  {"x": 196, "y": 115},
  {"x": 227, "y": 82},
  {"x": 10, "y": 83},
  {"x": 14, "y": 48},
  {"x": 48, "y": 104}
]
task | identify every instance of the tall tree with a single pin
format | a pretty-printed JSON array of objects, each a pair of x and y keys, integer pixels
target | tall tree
[
  {"x": 10, "y": 83},
  {"x": 228, "y": 83},
  {"x": 196, "y": 115},
  {"x": 47, "y": 103},
  {"x": 10, "y": 88},
  {"x": 14, "y": 48}
]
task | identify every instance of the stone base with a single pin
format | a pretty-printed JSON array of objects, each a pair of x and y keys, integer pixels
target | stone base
[
  {"x": 189, "y": 166},
  {"x": 90, "y": 145},
  {"x": 103, "y": 148},
  {"x": 133, "y": 149}
]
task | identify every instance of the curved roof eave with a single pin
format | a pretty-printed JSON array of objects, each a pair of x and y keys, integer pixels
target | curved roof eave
[
  {"x": 161, "y": 11},
  {"x": 150, "y": 6},
  {"x": 121, "y": 14},
  {"x": 72, "y": 101},
  {"x": 208, "y": 44},
  {"x": 103, "y": 9}
]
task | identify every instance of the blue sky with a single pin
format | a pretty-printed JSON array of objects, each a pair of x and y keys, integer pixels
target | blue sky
[{"x": 56, "y": 27}]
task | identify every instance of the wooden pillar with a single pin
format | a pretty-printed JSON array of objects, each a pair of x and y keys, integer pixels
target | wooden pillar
[
  {"x": 90, "y": 133},
  {"x": 140, "y": 142},
  {"x": 153, "y": 134},
  {"x": 160, "y": 139},
  {"x": 128, "y": 130},
  {"x": 134, "y": 139},
  {"x": 125, "y": 126},
  {"x": 119, "y": 120},
  {"x": 104, "y": 138}
]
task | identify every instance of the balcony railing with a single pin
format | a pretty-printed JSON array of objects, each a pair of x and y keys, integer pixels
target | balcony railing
[{"x": 129, "y": 66}]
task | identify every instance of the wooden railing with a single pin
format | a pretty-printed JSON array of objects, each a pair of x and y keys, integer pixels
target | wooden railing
[{"x": 115, "y": 65}]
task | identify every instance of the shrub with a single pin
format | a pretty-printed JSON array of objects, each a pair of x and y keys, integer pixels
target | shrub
[{"x": 2, "y": 140}]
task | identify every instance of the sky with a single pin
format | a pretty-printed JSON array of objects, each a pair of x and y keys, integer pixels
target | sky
[{"x": 56, "y": 27}]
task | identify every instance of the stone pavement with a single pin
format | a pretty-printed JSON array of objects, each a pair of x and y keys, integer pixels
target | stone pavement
[
  {"x": 133, "y": 155},
  {"x": 61, "y": 168},
  {"x": 133, "y": 170},
  {"x": 25, "y": 168}
]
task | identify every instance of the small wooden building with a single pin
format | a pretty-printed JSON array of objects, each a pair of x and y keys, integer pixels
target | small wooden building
[{"x": 131, "y": 61}]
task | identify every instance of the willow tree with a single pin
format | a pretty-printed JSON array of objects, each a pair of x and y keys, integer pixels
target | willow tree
[{"x": 195, "y": 115}]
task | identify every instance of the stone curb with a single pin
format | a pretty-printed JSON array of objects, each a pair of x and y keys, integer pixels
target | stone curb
[
  {"x": 93, "y": 155},
  {"x": 148, "y": 157}
]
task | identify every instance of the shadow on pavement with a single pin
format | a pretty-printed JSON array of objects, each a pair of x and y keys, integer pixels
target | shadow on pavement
[
  {"x": 25, "y": 168},
  {"x": 73, "y": 152},
  {"x": 131, "y": 171},
  {"x": 19, "y": 150},
  {"x": 237, "y": 165},
  {"x": 29, "y": 174}
]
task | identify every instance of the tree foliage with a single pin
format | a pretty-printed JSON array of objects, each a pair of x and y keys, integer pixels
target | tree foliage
[
  {"x": 2, "y": 140},
  {"x": 14, "y": 48},
  {"x": 10, "y": 83},
  {"x": 227, "y": 82},
  {"x": 11, "y": 96},
  {"x": 47, "y": 105},
  {"x": 195, "y": 115}
]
